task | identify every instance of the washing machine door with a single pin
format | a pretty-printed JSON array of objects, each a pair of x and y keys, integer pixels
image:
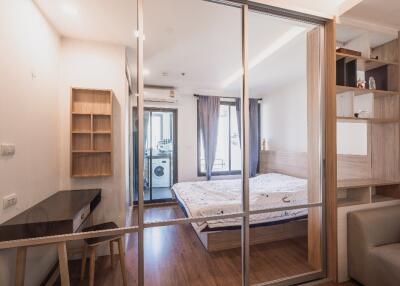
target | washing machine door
[{"x": 161, "y": 173}]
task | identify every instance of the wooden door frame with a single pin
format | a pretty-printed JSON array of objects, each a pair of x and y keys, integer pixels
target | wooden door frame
[{"x": 330, "y": 148}]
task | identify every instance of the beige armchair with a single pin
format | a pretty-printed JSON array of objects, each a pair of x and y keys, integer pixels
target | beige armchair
[{"x": 374, "y": 246}]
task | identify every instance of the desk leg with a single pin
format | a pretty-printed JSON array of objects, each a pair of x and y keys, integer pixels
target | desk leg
[
  {"x": 63, "y": 262},
  {"x": 20, "y": 269}
]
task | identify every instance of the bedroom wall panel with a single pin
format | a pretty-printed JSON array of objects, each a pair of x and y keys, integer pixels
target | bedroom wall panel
[
  {"x": 289, "y": 163},
  {"x": 29, "y": 67}
]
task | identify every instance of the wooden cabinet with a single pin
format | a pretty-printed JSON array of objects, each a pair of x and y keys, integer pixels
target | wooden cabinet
[{"x": 91, "y": 132}]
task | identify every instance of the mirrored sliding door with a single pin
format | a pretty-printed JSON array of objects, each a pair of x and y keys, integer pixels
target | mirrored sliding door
[
  {"x": 247, "y": 202},
  {"x": 285, "y": 193}
]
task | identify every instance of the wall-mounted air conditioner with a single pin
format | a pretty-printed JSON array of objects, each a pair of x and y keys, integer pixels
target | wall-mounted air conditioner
[{"x": 162, "y": 94}]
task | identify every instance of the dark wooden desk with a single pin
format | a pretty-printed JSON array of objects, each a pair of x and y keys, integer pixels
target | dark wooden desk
[{"x": 62, "y": 213}]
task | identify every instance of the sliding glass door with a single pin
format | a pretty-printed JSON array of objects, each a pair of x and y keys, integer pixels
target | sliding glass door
[
  {"x": 247, "y": 194},
  {"x": 160, "y": 154}
]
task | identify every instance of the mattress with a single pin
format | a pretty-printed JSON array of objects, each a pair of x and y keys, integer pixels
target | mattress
[{"x": 218, "y": 197}]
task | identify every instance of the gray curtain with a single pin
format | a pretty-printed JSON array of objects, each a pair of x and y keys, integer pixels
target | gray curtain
[
  {"x": 208, "y": 119},
  {"x": 253, "y": 140}
]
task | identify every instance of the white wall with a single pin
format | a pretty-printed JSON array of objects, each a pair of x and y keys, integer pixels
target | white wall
[
  {"x": 284, "y": 118},
  {"x": 29, "y": 62},
  {"x": 95, "y": 65},
  {"x": 352, "y": 138}
]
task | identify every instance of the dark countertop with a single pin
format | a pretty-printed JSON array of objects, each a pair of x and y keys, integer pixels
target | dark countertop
[{"x": 51, "y": 216}]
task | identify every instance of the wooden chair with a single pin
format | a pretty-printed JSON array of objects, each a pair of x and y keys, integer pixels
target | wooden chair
[{"x": 91, "y": 245}]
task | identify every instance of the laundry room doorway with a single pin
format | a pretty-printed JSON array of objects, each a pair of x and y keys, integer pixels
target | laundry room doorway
[{"x": 160, "y": 154}]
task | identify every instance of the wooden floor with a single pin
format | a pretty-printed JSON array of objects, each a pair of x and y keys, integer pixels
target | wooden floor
[{"x": 175, "y": 256}]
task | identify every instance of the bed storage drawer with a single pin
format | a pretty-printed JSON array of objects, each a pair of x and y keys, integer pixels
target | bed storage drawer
[{"x": 227, "y": 239}]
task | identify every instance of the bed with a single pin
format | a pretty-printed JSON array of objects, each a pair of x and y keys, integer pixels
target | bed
[{"x": 216, "y": 197}]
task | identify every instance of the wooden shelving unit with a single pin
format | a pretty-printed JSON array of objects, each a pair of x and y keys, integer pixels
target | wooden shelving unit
[
  {"x": 383, "y": 183},
  {"x": 361, "y": 91},
  {"x": 365, "y": 64},
  {"x": 91, "y": 132},
  {"x": 370, "y": 179}
]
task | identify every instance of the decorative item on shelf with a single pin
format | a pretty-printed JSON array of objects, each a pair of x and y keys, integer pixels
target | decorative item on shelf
[
  {"x": 361, "y": 83},
  {"x": 371, "y": 83},
  {"x": 264, "y": 144},
  {"x": 362, "y": 114},
  {"x": 349, "y": 52},
  {"x": 374, "y": 57}
]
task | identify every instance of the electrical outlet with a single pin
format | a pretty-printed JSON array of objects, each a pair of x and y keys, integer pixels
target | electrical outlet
[
  {"x": 9, "y": 201},
  {"x": 7, "y": 149}
]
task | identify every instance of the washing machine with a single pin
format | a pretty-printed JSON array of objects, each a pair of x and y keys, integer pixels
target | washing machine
[{"x": 161, "y": 173}]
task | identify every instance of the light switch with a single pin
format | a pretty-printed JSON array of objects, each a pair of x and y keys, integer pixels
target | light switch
[
  {"x": 7, "y": 149},
  {"x": 9, "y": 201}
]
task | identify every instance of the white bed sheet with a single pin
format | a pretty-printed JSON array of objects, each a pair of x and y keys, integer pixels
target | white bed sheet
[{"x": 216, "y": 197}]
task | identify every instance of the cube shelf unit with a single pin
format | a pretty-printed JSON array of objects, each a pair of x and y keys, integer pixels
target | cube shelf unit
[
  {"x": 91, "y": 132},
  {"x": 366, "y": 191}
]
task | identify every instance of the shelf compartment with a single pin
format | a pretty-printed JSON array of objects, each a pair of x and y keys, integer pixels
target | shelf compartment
[
  {"x": 101, "y": 123},
  {"x": 81, "y": 123},
  {"x": 353, "y": 196},
  {"x": 385, "y": 193},
  {"x": 102, "y": 142},
  {"x": 91, "y": 101},
  {"x": 91, "y": 164},
  {"x": 81, "y": 141}
]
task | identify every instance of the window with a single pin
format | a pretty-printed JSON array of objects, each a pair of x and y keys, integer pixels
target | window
[{"x": 228, "y": 154}]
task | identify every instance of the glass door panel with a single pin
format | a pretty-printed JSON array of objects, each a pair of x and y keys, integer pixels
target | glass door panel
[
  {"x": 159, "y": 172},
  {"x": 284, "y": 78}
]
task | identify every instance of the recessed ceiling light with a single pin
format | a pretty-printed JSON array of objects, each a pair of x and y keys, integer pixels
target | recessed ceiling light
[{"x": 69, "y": 10}]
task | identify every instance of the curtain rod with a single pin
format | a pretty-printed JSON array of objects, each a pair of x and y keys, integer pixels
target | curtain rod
[{"x": 226, "y": 97}]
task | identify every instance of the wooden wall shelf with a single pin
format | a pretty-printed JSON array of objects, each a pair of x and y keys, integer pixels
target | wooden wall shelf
[
  {"x": 361, "y": 91},
  {"x": 91, "y": 132},
  {"x": 365, "y": 64},
  {"x": 371, "y": 120}
]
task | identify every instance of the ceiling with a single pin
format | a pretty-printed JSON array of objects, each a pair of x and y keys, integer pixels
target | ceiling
[
  {"x": 195, "y": 52},
  {"x": 346, "y": 33},
  {"x": 380, "y": 12},
  {"x": 98, "y": 20}
]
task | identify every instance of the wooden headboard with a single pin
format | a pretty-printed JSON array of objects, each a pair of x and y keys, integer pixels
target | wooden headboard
[{"x": 288, "y": 163}]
